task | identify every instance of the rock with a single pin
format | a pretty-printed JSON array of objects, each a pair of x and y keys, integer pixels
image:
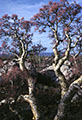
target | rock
[
  {"x": 7, "y": 66},
  {"x": 47, "y": 68},
  {"x": 28, "y": 65},
  {"x": 67, "y": 70}
]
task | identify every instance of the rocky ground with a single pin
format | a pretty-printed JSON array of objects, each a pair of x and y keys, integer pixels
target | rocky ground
[{"x": 48, "y": 94}]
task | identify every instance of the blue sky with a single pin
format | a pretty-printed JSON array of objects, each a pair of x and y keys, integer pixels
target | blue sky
[{"x": 26, "y": 9}]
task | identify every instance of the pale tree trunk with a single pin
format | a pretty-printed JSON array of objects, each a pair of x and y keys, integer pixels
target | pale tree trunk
[
  {"x": 66, "y": 93},
  {"x": 61, "y": 112},
  {"x": 31, "y": 97},
  {"x": 62, "y": 82},
  {"x": 67, "y": 98},
  {"x": 21, "y": 65},
  {"x": 58, "y": 62},
  {"x": 33, "y": 100}
]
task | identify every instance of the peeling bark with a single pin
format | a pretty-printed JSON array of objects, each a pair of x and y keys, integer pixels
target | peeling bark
[
  {"x": 61, "y": 113},
  {"x": 33, "y": 99},
  {"x": 66, "y": 93},
  {"x": 21, "y": 65},
  {"x": 67, "y": 98},
  {"x": 62, "y": 82}
]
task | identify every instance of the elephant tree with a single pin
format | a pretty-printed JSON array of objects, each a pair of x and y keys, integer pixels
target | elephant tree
[
  {"x": 15, "y": 39},
  {"x": 64, "y": 22}
]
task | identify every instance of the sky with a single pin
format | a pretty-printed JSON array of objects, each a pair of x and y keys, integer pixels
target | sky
[{"x": 26, "y": 9}]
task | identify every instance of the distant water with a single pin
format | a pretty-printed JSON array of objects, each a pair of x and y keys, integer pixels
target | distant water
[
  {"x": 47, "y": 54},
  {"x": 8, "y": 56}
]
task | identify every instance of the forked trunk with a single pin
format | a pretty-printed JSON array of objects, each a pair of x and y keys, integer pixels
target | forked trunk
[
  {"x": 21, "y": 65},
  {"x": 61, "y": 112},
  {"x": 33, "y": 100},
  {"x": 66, "y": 99}
]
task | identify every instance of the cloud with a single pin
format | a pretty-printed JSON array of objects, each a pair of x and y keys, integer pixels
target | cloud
[
  {"x": 77, "y": 1},
  {"x": 22, "y": 10},
  {"x": 27, "y": 10}
]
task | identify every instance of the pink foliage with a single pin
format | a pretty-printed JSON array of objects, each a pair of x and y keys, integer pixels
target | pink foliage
[
  {"x": 3, "y": 44},
  {"x": 5, "y": 16},
  {"x": 9, "y": 25},
  {"x": 14, "y": 16},
  {"x": 13, "y": 81},
  {"x": 1, "y": 63},
  {"x": 22, "y": 18},
  {"x": 50, "y": 2},
  {"x": 66, "y": 29}
]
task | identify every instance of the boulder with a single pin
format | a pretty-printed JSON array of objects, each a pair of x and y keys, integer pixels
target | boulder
[
  {"x": 7, "y": 66},
  {"x": 66, "y": 69}
]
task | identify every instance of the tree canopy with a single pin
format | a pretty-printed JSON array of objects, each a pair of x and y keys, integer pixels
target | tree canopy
[
  {"x": 15, "y": 36},
  {"x": 63, "y": 21},
  {"x": 60, "y": 18}
]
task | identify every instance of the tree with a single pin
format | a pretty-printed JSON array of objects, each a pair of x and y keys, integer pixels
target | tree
[
  {"x": 15, "y": 36},
  {"x": 15, "y": 40},
  {"x": 35, "y": 55},
  {"x": 64, "y": 22}
]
